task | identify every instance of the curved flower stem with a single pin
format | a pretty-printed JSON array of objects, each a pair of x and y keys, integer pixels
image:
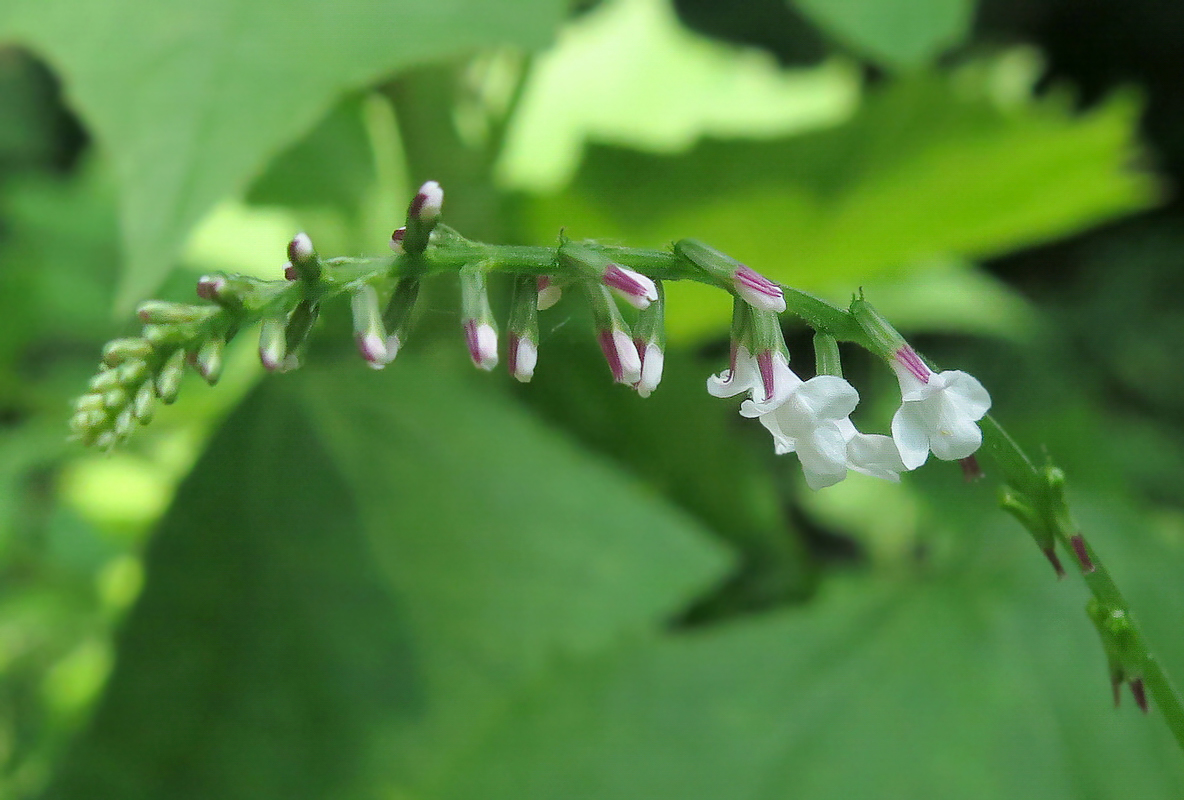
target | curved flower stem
[{"x": 1042, "y": 491}]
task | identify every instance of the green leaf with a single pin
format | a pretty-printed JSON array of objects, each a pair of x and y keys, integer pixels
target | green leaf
[
  {"x": 190, "y": 100},
  {"x": 956, "y": 685},
  {"x": 357, "y": 571},
  {"x": 899, "y": 33},
  {"x": 928, "y": 167}
]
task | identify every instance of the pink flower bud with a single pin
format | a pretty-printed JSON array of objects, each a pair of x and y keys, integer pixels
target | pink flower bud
[
  {"x": 636, "y": 289},
  {"x": 482, "y": 341},
  {"x": 757, "y": 290}
]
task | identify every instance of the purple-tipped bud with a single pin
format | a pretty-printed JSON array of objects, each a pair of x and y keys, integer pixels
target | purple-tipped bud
[
  {"x": 652, "y": 361},
  {"x": 482, "y": 341},
  {"x": 211, "y": 287},
  {"x": 300, "y": 248},
  {"x": 1082, "y": 553},
  {"x": 549, "y": 293},
  {"x": 634, "y": 288},
  {"x": 907, "y": 358},
  {"x": 428, "y": 202},
  {"x": 1139, "y": 693},
  {"x": 369, "y": 332},
  {"x": 757, "y": 290},
  {"x": 521, "y": 358},
  {"x": 621, "y": 355},
  {"x": 272, "y": 344},
  {"x": 290, "y": 272},
  {"x": 396, "y": 242}
]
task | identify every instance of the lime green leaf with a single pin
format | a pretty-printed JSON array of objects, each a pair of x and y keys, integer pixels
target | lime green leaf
[
  {"x": 359, "y": 568},
  {"x": 928, "y": 167},
  {"x": 960, "y": 685},
  {"x": 902, "y": 33},
  {"x": 190, "y": 100}
]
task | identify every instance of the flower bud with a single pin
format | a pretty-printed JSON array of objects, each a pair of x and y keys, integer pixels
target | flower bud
[
  {"x": 211, "y": 287},
  {"x": 208, "y": 359},
  {"x": 369, "y": 332},
  {"x": 649, "y": 337},
  {"x": 142, "y": 406},
  {"x": 120, "y": 350},
  {"x": 613, "y": 335},
  {"x": 272, "y": 343},
  {"x": 303, "y": 258},
  {"x": 168, "y": 380},
  {"x": 427, "y": 203},
  {"x": 634, "y": 288},
  {"x": 548, "y": 292},
  {"x": 477, "y": 319},
  {"x": 398, "y": 315},
  {"x": 523, "y": 329},
  {"x": 162, "y": 312},
  {"x": 743, "y": 281}
]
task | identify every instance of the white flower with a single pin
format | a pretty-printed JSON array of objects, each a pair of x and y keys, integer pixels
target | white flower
[
  {"x": 766, "y": 377},
  {"x": 938, "y": 412},
  {"x": 808, "y": 422}
]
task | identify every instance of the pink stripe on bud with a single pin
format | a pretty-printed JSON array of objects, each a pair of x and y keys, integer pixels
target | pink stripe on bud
[
  {"x": 396, "y": 242},
  {"x": 764, "y": 363},
  {"x": 210, "y": 287},
  {"x": 482, "y": 341},
  {"x": 757, "y": 290},
  {"x": 549, "y": 293},
  {"x": 636, "y": 289},
  {"x": 908, "y": 358},
  {"x": 428, "y": 202},
  {"x": 621, "y": 355},
  {"x": 521, "y": 358}
]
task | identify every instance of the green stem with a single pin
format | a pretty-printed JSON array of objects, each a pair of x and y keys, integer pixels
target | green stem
[{"x": 1044, "y": 491}]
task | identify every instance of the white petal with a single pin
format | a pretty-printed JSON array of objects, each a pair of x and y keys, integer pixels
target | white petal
[
  {"x": 965, "y": 391},
  {"x": 876, "y": 455},
  {"x": 829, "y": 397},
  {"x": 912, "y": 438},
  {"x": 732, "y": 382},
  {"x": 956, "y": 441}
]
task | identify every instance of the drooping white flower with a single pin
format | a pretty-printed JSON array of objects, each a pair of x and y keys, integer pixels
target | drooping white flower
[
  {"x": 766, "y": 377},
  {"x": 808, "y": 422},
  {"x": 938, "y": 411}
]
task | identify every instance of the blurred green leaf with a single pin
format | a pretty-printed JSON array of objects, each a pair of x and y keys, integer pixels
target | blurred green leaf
[
  {"x": 191, "y": 99},
  {"x": 965, "y": 684},
  {"x": 361, "y": 566},
  {"x": 899, "y": 33},
  {"x": 928, "y": 166}
]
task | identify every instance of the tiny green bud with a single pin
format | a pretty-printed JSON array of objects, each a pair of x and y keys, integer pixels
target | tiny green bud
[
  {"x": 124, "y": 423},
  {"x": 162, "y": 312},
  {"x": 398, "y": 314},
  {"x": 105, "y": 380},
  {"x": 300, "y": 323},
  {"x": 143, "y": 404},
  {"x": 88, "y": 402},
  {"x": 120, "y": 350},
  {"x": 131, "y": 371},
  {"x": 272, "y": 343},
  {"x": 115, "y": 398},
  {"x": 208, "y": 359},
  {"x": 168, "y": 380}
]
